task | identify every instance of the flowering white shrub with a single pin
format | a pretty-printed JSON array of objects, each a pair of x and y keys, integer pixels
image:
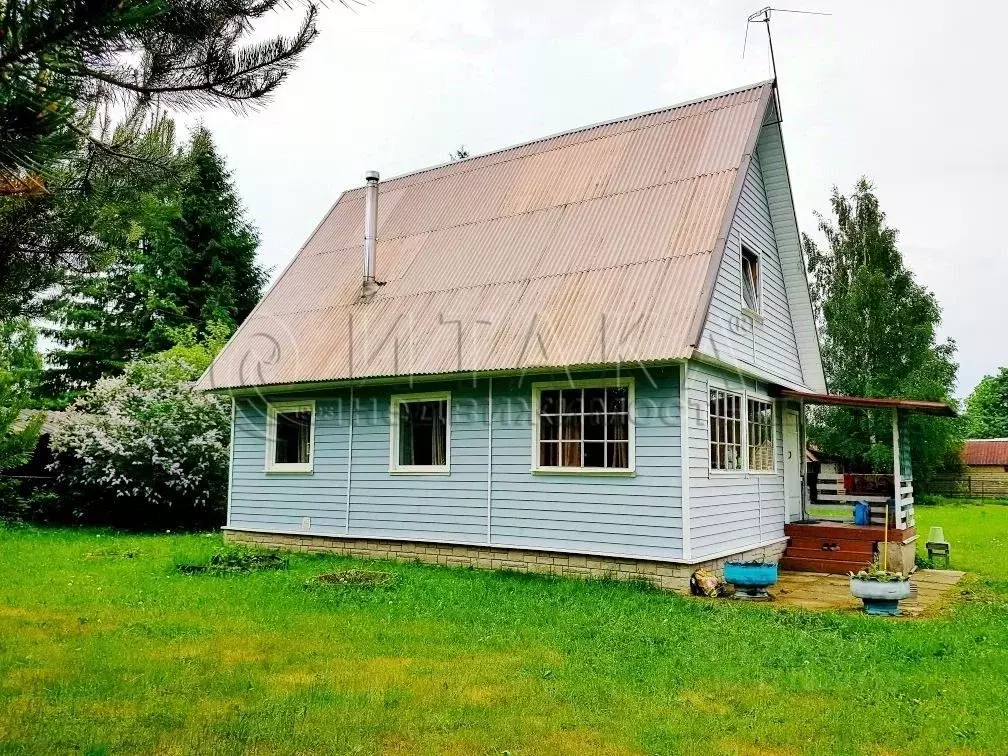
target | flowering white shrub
[{"x": 146, "y": 449}]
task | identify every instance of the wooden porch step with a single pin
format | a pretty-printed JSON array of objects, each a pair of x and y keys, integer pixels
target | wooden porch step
[
  {"x": 832, "y": 556},
  {"x": 838, "y": 531},
  {"x": 829, "y": 566},
  {"x": 844, "y": 546}
]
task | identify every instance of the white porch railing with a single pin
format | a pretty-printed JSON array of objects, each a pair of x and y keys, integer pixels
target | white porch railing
[{"x": 831, "y": 489}]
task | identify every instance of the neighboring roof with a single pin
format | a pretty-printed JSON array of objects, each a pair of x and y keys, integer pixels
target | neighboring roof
[
  {"x": 837, "y": 400},
  {"x": 985, "y": 451},
  {"x": 592, "y": 247}
]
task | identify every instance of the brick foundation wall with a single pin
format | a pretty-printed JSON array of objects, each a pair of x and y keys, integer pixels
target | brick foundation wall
[{"x": 665, "y": 575}]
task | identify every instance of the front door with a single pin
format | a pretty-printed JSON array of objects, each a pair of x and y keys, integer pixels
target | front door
[{"x": 792, "y": 467}]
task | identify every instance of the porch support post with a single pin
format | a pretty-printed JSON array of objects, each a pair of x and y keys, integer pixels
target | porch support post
[
  {"x": 897, "y": 473},
  {"x": 896, "y": 488},
  {"x": 803, "y": 459}
]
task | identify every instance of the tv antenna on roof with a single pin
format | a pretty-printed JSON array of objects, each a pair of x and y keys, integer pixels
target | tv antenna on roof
[{"x": 762, "y": 16}]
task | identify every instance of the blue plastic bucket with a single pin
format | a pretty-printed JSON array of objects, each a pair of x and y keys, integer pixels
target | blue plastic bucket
[{"x": 862, "y": 513}]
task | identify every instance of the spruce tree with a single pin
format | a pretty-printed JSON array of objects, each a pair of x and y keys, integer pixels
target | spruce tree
[
  {"x": 177, "y": 255},
  {"x": 208, "y": 252}
]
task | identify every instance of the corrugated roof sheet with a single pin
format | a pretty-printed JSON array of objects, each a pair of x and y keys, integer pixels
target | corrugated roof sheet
[
  {"x": 590, "y": 247},
  {"x": 985, "y": 451}
]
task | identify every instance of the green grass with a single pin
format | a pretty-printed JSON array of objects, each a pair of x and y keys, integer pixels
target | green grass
[
  {"x": 106, "y": 648},
  {"x": 977, "y": 531}
]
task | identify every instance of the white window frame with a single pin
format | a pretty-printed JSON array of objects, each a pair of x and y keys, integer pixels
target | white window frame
[
  {"x": 743, "y": 461},
  {"x": 628, "y": 382},
  {"x": 758, "y": 253},
  {"x": 274, "y": 408},
  {"x": 759, "y": 397},
  {"x": 395, "y": 402}
]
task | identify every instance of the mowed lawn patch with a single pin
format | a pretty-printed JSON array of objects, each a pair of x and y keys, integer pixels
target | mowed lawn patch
[{"x": 105, "y": 647}]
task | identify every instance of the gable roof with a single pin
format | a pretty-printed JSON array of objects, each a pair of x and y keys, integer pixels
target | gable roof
[
  {"x": 596, "y": 246},
  {"x": 985, "y": 451}
]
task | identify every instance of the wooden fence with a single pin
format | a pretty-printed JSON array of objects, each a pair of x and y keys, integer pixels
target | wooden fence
[{"x": 971, "y": 486}]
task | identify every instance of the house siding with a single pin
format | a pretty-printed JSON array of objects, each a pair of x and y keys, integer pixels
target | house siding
[
  {"x": 773, "y": 167},
  {"x": 451, "y": 508},
  {"x": 638, "y": 515},
  {"x": 770, "y": 346},
  {"x": 281, "y": 500},
  {"x": 729, "y": 511}
]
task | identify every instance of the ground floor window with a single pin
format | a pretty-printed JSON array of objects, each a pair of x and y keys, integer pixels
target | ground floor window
[
  {"x": 420, "y": 432},
  {"x": 760, "y": 427},
  {"x": 584, "y": 426},
  {"x": 290, "y": 437},
  {"x": 725, "y": 430}
]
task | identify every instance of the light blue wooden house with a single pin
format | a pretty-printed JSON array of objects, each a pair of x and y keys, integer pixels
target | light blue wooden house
[{"x": 585, "y": 353}]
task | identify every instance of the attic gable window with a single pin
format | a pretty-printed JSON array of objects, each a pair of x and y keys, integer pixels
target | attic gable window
[
  {"x": 584, "y": 426},
  {"x": 290, "y": 437},
  {"x": 421, "y": 432},
  {"x": 751, "y": 280}
]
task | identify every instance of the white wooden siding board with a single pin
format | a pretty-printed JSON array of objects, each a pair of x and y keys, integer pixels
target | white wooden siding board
[
  {"x": 611, "y": 521},
  {"x": 532, "y": 534},
  {"x": 641, "y": 510}
]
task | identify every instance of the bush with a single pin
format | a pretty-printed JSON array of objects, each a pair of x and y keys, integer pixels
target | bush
[
  {"x": 927, "y": 500},
  {"x": 237, "y": 560},
  {"x": 145, "y": 449}
]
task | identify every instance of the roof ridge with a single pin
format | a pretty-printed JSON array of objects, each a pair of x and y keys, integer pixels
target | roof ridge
[{"x": 599, "y": 124}]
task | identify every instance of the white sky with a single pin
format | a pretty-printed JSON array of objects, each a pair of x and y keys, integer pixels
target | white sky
[{"x": 909, "y": 94}]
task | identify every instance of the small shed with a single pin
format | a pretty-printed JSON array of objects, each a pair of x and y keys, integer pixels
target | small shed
[{"x": 986, "y": 466}]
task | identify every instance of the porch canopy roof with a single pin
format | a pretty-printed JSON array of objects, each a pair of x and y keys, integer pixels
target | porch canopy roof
[{"x": 864, "y": 402}]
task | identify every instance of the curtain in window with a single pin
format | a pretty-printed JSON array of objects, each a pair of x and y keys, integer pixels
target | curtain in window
[
  {"x": 571, "y": 429},
  {"x": 438, "y": 445},
  {"x": 406, "y": 456},
  {"x": 304, "y": 438},
  {"x": 621, "y": 451}
]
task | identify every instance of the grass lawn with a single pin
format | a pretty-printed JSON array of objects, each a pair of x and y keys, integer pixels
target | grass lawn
[{"x": 106, "y": 648}]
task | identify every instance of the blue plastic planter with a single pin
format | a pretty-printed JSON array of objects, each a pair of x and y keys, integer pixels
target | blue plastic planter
[{"x": 751, "y": 580}]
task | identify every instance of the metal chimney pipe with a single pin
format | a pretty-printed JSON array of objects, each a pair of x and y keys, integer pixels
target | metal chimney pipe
[{"x": 370, "y": 226}]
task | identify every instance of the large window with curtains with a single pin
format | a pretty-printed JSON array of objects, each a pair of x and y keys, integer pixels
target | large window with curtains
[
  {"x": 421, "y": 431},
  {"x": 290, "y": 437},
  {"x": 584, "y": 426}
]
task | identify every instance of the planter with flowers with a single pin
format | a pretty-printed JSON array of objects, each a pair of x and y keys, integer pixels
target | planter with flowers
[{"x": 879, "y": 589}]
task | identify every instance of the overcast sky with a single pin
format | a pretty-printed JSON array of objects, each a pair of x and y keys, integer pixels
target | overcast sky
[{"x": 909, "y": 94}]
